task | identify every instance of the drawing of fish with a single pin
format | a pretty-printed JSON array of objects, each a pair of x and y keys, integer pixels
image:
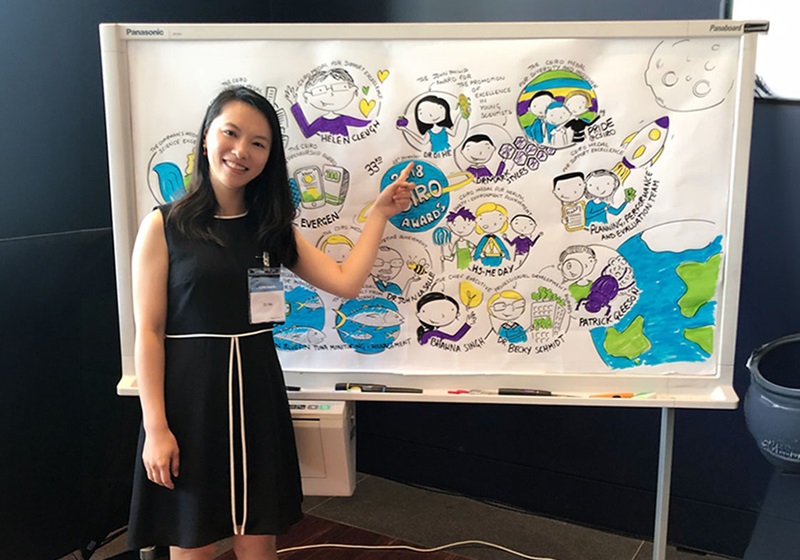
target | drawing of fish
[
  {"x": 376, "y": 317},
  {"x": 300, "y": 335}
]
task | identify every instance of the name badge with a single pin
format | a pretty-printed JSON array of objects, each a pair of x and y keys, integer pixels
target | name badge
[{"x": 267, "y": 302}]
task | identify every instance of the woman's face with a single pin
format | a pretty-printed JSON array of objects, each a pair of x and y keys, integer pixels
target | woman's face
[
  {"x": 438, "y": 313},
  {"x": 507, "y": 309},
  {"x": 491, "y": 221},
  {"x": 601, "y": 186},
  {"x": 429, "y": 112},
  {"x": 331, "y": 94},
  {"x": 238, "y": 143},
  {"x": 337, "y": 251}
]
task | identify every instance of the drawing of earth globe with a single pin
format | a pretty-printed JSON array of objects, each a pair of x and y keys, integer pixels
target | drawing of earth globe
[
  {"x": 677, "y": 269},
  {"x": 430, "y": 200},
  {"x": 551, "y": 103},
  {"x": 369, "y": 326}
]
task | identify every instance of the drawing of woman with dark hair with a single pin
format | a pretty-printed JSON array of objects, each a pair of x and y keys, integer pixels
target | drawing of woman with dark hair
[
  {"x": 435, "y": 125},
  {"x": 436, "y": 310}
]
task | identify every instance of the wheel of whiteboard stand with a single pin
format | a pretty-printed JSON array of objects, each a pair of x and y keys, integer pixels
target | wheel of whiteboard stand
[{"x": 147, "y": 553}]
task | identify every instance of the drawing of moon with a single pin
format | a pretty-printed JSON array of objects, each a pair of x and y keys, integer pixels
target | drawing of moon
[{"x": 692, "y": 74}]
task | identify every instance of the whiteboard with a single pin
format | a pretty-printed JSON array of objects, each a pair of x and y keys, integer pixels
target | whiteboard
[{"x": 577, "y": 224}]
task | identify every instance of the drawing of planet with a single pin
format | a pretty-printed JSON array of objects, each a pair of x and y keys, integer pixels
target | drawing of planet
[
  {"x": 551, "y": 100},
  {"x": 677, "y": 269},
  {"x": 692, "y": 74}
]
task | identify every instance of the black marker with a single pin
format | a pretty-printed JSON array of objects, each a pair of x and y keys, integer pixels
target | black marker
[
  {"x": 530, "y": 392},
  {"x": 374, "y": 388}
]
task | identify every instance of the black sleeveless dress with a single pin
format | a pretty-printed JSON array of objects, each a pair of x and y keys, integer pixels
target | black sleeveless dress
[{"x": 208, "y": 332}]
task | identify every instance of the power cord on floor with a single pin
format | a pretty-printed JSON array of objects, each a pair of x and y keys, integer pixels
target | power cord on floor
[{"x": 414, "y": 548}]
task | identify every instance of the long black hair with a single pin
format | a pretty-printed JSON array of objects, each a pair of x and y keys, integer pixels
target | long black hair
[
  {"x": 446, "y": 122},
  {"x": 424, "y": 300},
  {"x": 268, "y": 197}
]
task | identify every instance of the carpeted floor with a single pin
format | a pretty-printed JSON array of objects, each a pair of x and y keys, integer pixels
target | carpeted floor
[{"x": 315, "y": 530}]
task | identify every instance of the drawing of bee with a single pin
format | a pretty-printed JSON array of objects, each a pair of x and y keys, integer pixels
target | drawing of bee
[{"x": 419, "y": 268}]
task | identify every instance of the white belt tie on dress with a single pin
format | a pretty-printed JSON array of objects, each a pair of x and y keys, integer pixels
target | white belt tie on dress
[{"x": 235, "y": 353}]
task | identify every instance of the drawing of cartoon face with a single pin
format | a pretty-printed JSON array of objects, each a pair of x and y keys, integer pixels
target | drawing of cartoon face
[
  {"x": 461, "y": 226},
  {"x": 491, "y": 221},
  {"x": 689, "y": 75},
  {"x": 337, "y": 247},
  {"x": 556, "y": 114},
  {"x": 619, "y": 268},
  {"x": 508, "y": 307},
  {"x": 388, "y": 263},
  {"x": 601, "y": 184},
  {"x": 438, "y": 312},
  {"x": 577, "y": 265},
  {"x": 330, "y": 94},
  {"x": 569, "y": 188},
  {"x": 523, "y": 225},
  {"x": 577, "y": 103},
  {"x": 429, "y": 112},
  {"x": 478, "y": 152},
  {"x": 539, "y": 103}
]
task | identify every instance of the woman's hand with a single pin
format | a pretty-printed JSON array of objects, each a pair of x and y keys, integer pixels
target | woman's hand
[
  {"x": 161, "y": 457},
  {"x": 396, "y": 197}
]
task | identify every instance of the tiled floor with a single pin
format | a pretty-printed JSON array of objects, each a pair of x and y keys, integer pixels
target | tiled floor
[{"x": 431, "y": 519}]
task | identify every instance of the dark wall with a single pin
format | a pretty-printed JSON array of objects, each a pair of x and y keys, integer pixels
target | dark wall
[
  {"x": 597, "y": 466},
  {"x": 66, "y": 439}
]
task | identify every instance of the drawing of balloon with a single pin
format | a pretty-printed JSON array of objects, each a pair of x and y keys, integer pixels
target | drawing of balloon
[
  {"x": 441, "y": 237},
  {"x": 470, "y": 295},
  {"x": 692, "y": 74}
]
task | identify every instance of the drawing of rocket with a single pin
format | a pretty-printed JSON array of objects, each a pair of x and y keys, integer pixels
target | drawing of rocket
[{"x": 643, "y": 147}]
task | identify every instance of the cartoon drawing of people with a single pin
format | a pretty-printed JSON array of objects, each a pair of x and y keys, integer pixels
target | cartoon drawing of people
[
  {"x": 606, "y": 287},
  {"x": 524, "y": 226},
  {"x": 478, "y": 149},
  {"x": 601, "y": 185},
  {"x": 387, "y": 266},
  {"x": 435, "y": 124},
  {"x": 576, "y": 263},
  {"x": 329, "y": 91},
  {"x": 579, "y": 103},
  {"x": 538, "y": 105},
  {"x": 462, "y": 223},
  {"x": 569, "y": 188},
  {"x": 555, "y": 117},
  {"x": 336, "y": 246},
  {"x": 506, "y": 307},
  {"x": 491, "y": 219},
  {"x": 436, "y": 310}
]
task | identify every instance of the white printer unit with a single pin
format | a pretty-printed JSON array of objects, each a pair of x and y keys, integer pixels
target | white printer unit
[{"x": 326, "y": 446}]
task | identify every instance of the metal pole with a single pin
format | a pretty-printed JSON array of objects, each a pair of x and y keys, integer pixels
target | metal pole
[{"x": 663, "y": 485}]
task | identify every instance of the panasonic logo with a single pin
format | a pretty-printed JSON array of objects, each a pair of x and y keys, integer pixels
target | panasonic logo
[
  {"x": 144, "y": 32},
  {"x": 715, "y": 27}
]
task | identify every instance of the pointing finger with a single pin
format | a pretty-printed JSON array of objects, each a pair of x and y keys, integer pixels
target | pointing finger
[{"x": 406, "y": 172}]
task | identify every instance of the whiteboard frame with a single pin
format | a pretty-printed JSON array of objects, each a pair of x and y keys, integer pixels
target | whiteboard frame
[{"x": 671, "y": 390}]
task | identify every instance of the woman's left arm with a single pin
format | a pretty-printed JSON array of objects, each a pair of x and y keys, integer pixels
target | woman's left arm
[{"x": 346, "y": 279}]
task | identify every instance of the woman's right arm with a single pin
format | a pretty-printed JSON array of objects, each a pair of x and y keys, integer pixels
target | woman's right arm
[{"x": 150, "y": 270}]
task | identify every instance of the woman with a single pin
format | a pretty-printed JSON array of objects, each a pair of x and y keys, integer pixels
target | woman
[
  {"x": 434, "y": 123},
  {"x": 436, "y": 310},
  {"x": 217, "y": 446}
]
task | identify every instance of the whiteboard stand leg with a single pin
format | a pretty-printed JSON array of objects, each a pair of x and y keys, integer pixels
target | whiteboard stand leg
[{"x": 664, "y": 479}]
